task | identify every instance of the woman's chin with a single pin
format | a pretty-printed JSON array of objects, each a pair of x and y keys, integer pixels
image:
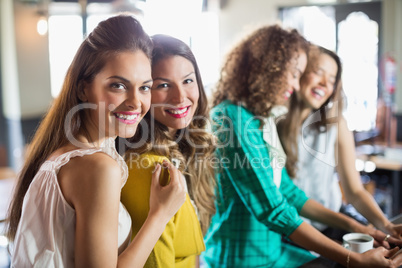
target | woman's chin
[{"x": 127, "y": 132}]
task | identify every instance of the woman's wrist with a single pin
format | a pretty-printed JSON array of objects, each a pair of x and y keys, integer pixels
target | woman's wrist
[
  {"x": 157, "y": 220},
  {"x": 159, "y": 215},
  {"x": 388, "y": 227},
  {"x": 383, "y": 224},
  {"x": 353, "y": 259}
]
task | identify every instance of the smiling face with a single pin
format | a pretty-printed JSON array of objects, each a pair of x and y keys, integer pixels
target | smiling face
[
  {"x": 175, "y": 92},
  {"x": 296, "y": 68},
  {"x": 121, "y": 92},
  {"x": 318, "y": 84}
]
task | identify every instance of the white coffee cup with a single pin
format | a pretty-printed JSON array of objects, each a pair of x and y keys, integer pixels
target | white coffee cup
[{"x": 358, "y": 242}]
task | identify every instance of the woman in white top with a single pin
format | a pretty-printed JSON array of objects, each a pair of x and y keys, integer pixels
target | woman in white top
[
  {"x": 66, "y": 211},
  {"x": 325, "y": 145}
]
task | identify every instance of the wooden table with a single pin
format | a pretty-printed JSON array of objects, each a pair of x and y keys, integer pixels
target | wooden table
[
  {"x": 6, "y": 173},
  {"x": 395, "y": 167},
  {"x": 321, "y": 262},
  {"x": 7, "y": 183}
]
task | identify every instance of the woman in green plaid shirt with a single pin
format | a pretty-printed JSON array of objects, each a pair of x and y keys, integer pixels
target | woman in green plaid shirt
[{"x": 257, "y": 203}]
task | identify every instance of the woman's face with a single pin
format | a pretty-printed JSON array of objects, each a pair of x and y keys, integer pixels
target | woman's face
[
  {"x": 296, "y": 68},
  {"x": 122, "y": 94},
  {"x": 175, "y": 92},
  {"x": 318, "y": 84}
]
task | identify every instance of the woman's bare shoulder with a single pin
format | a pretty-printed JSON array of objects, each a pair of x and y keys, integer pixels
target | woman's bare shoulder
[
  {"x": 97, "y": 165},
  {"x": 89, "y": 174}
]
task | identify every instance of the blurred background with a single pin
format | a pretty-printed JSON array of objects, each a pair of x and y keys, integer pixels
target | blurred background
[{"x": 38, "y": 39}]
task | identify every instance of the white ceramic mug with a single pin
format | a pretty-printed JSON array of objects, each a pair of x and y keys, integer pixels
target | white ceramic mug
[{"x": 358, "y": 242}]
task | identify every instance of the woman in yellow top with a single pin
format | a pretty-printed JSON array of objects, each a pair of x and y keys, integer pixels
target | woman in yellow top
[{"x": 174, "y": 129}]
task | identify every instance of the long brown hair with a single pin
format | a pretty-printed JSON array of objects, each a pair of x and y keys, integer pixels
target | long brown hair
[
  {"x": 289, "y": 128},
  {"x": 195, "y": 144},
  {"x": 112, "y": 36},
  {"x": 254, "y": 70}
]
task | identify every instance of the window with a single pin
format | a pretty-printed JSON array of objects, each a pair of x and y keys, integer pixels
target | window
[
  {"x": 182, "y": 19},
  {"x": 65, "y": 36}
]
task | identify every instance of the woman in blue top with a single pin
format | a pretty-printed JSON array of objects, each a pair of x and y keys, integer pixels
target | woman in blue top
[{"x": 257, "y": 202}]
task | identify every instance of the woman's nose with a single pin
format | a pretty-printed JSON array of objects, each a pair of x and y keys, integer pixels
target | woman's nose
[
  {"x": 323, "y": 81},
  {"x": 132, "y": 100},
  {"x": 178, "y": 94}
]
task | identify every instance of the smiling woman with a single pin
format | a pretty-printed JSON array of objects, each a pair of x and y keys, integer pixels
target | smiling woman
[
  {"x": 124, "y": 98},
  {"x": 174, "y": 93},
  {"x": 258, "y": 205},
  {"x": 65, "y": 214},
  {"x": 324, "y": 156},
  {"x": 178, "y": 116}
]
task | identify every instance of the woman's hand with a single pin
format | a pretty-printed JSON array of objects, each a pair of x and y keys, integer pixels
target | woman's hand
[
  {"x": 397, "y": 257},
  {"x": 394, "y": 235},
  {"x": 378, "y": 257},
  {"x": 394, "y": 230},
  {"x": 165, "y": 201},
  {"x": 379, "y": 236}
]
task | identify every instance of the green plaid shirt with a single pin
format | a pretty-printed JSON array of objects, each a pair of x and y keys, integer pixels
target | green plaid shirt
[{"x": 252, "y": 212}]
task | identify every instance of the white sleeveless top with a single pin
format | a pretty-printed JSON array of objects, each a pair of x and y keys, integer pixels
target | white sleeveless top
[
  {"x": 270, "y": 135},
  {"x": 46, "y": 233},
  {"x": 316, "y": 173}
]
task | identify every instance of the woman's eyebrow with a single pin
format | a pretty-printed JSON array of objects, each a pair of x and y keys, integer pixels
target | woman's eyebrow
[
  {"x": 118, "y": 77},
  {"x": 162, "y": 78},
  {"x": 187, "y": 75},
  {"x": 126, "y": 80}
]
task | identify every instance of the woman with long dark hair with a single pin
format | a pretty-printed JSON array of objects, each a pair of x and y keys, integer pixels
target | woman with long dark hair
[
  {"x": 176, "y": 130},
  {"x": 66, "y": 211},
  {"x": 320, "y": 147}
]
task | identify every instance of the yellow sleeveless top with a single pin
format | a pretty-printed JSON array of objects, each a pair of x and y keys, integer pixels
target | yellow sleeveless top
[{"x": 182, "y": 238}]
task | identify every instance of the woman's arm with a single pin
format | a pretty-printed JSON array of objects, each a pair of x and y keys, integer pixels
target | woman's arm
[
  {"x": 136, "y": 197},
  {"x": 317, "y": 212},
  {"x": 95, "y": 195},
  {"x": 310, "y": 238},
  {"x": 164, "y": 203},
  {"x": 246, "y": 161},
  {"x": 352, "y": 186}
]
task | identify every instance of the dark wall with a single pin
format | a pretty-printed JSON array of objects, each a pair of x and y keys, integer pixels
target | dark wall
[
  {"x": 29, "y": 127},
  {"x": 399, "y": 127},
  {"x": 3, "y": 150}
]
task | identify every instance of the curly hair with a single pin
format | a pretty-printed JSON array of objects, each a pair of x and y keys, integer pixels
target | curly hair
[
  {"x": 193, "y": 145},
  {"x": 254, "y": 70},
  {"x": 289, "y": 128}
]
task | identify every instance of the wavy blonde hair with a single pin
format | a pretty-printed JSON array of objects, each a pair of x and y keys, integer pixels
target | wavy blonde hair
[{"x": 195, "y": 160}]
